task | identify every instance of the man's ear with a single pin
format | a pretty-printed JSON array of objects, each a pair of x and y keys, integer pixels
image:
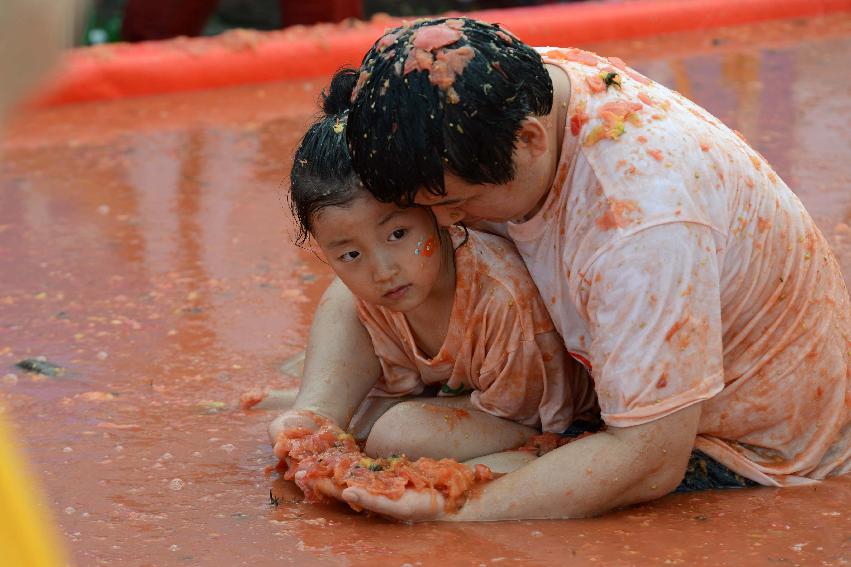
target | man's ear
[{"x": 532, "y": 137}]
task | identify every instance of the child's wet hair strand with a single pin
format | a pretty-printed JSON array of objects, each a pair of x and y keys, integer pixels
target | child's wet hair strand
[{"x": 322, "y": 175}]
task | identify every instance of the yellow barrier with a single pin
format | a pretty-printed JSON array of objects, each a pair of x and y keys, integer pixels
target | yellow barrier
[{"x": 25, "y": 540}]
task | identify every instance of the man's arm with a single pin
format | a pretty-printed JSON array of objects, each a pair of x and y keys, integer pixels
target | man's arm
[
  {"x": 614, "y": 468},
  {"x": 340, "y": 365}
]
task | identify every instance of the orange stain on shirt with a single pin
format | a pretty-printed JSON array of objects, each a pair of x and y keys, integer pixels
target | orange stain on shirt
[
  {"x": 578, "y": 119},
  {"x": 575, "y": 55},
  {"x": 617, "y": 214},
  {"x": 619, "y": 63},
  {"x": 614, "y": 114},
  {"x": 596, "y": 84},
  {"x": 675, "y": 328},
  {"x": 646, "y": 99},
  {"x": 655, "y": 154},
  {"x": 621, "y": 109}
]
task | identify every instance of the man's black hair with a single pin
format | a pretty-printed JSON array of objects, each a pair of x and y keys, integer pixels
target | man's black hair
[
  {"x": 446, "y": 99},
  {"x": 322, "y": 174}
]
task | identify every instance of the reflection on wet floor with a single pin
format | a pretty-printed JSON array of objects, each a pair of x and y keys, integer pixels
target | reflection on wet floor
[{"x": 145, "y": 247}]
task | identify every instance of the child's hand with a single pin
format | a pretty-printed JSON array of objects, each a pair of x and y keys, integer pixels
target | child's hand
[
  {"x": 293, "y": 419},
  {"x": 414, "y": 506}
]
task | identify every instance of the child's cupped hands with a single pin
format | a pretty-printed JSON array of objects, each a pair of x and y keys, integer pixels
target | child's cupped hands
[{"x": 328, "y": 464}]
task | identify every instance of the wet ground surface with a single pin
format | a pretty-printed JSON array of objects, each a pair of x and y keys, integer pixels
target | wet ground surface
[{"x": 145, "y": 247}]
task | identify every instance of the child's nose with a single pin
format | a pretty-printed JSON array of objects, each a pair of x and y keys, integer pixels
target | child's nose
[{"x": 384, "y": 268}]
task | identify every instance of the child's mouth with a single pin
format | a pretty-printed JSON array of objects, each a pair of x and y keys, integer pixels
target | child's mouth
[{"x": 397, "y": 292}]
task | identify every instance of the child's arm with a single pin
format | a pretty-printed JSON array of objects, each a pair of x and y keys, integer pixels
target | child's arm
[
  {"x": 340, "y": 364},
  {"x": 610, "y": 469}
]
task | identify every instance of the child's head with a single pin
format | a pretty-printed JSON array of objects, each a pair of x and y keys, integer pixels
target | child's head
[
  {"x": 322, "y": 174},
  {"x": 385, "y": 254},
  {"x": 444, "y": 96}
]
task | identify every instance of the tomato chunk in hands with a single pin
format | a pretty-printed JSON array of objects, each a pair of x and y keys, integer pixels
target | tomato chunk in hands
[{"x": 326, "y": 461}]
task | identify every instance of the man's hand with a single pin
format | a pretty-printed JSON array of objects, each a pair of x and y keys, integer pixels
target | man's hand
[
  {"x": 324, "y": 486},
  {"x": 414, "y": 506}
]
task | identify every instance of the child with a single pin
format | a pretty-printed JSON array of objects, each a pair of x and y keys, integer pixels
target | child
[{"x": 447, "y": 310}]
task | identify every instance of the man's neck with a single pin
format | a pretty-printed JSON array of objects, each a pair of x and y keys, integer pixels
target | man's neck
[
  {"x": 555, "y": 122},
  {"x": 561, "y": 101}
]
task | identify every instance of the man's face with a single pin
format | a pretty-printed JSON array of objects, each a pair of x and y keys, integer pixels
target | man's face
[
  {"x": 469, "y": 202},
  {"x": 535, "y": 159}
]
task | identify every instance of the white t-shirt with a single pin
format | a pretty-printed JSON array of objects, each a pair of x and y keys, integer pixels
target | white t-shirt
[{"x": 679, "y": 268}]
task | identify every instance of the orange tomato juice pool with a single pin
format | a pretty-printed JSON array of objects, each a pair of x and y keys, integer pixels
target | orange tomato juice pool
[{"x": 145, "y": 247}]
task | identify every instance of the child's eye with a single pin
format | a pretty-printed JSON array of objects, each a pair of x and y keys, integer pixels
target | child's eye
[
  {"x": 349, "y": 256},
  {"x": 398, "y": 234}
]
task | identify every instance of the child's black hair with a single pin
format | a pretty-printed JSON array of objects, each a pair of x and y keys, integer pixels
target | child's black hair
[
  {"x": 441, "y": 95},
  {"x": 322, "y": 174}
]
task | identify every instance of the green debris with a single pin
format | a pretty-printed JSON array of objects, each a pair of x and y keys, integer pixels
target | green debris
[{"x": 40, "y": 365}]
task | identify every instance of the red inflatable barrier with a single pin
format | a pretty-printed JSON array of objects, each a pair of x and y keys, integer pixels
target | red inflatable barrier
[{"x": 243, "y": 57}]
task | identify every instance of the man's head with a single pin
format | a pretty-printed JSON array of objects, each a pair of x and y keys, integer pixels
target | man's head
[{"x": 442, "y": 101}]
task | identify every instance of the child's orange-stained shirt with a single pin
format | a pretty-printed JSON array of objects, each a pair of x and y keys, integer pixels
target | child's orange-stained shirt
[
  {"x": 681, "y": 269},
  {"x": 500, "y": 343}
]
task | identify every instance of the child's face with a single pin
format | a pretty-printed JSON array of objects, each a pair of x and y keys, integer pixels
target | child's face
[{"x": 385, "y": 255}]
